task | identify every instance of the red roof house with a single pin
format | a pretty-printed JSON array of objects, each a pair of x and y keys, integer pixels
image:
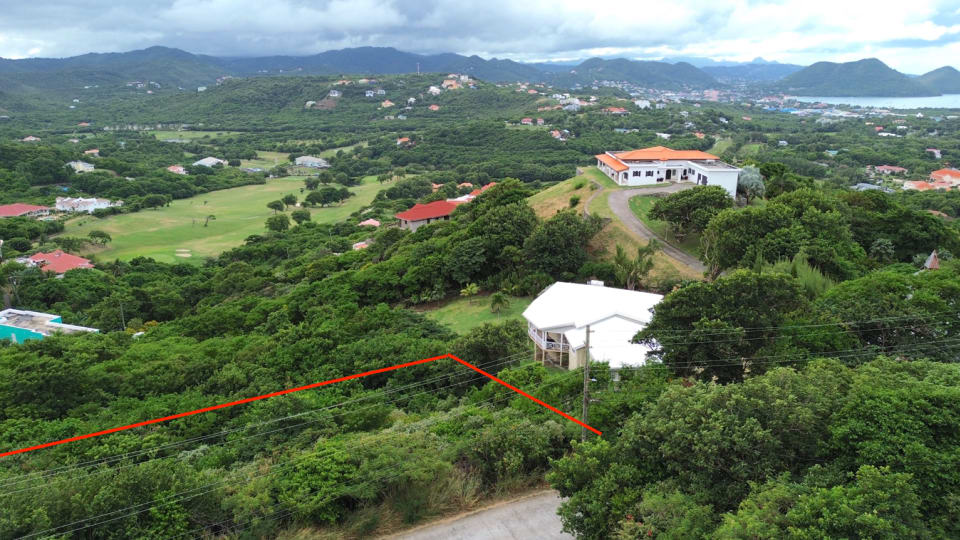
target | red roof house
[
  {"x": 434, "y": 107},
  {"x": 59, "y": 262},
  {"x": 422, "y": 214},
  {"x": 22, "y": 209},
  {"x": 945, "y": 175}
]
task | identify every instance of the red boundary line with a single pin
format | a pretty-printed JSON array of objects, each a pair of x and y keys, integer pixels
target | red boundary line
[{"x": 290, "y": 391}]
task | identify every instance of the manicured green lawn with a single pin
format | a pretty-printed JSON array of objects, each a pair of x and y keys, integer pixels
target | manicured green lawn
[
  {"x": 640, "y": 206},
  {"x": 177, "y": 234},
  {"x": 464, "y": 314}
]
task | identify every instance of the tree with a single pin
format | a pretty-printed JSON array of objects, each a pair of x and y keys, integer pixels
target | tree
[
  {"x": 301, "y": 215},
  {"x": 153, "y": 201},
  {"x": 99, "y": 237},
  {"x": 499, "y": 302},
  {"x": 557, "y": 246},
  {"x": 278, "y": 222},
  {"x": 276, "y": 206},
  {"x": 750, "y": 183},
  {"x": 311, "y": 182},
  {"x": 631, "y": 272},
  {"x": 690, "y": 210},
  {"x": 208, "y": 219},
  {"x": 289, "y": 199},
  {"x": 470, "y": 291},
  {"x": 686, "y": 324},
  {"x": 882, "y": 251}
]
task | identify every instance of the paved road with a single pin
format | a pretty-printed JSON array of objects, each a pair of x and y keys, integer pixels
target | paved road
[
  {"x": 533, "y": 516},
  {"x": 620, "y": 205}
]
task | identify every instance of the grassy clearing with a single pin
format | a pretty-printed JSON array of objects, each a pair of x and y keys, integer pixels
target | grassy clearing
[
  {"x": 557, "y": 197},
  {"x": 640, "y": 206},
  {"x": 751, "y": 149},
  {"x": 720, "y": 146},
  {"x": 333, "y": 151},
  {"x": 192, "y": 135},
  {"x": 177, "y": 234},
  {"x": 266, "y": 160},
  {"x": 604, "y": 244},
  {"x": 464, "y": 314}
]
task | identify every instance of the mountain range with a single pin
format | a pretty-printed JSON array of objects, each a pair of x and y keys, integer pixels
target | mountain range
[{"x": 177, "y": 68}]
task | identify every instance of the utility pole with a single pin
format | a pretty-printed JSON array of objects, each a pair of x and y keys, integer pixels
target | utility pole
[{"x": 586, "y": 388}]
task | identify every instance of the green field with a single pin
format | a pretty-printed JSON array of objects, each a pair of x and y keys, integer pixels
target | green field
[
  {"x": 464, "y": 314},
  {"x": 191, "y": 135},
  {"x": 640, "y": 206},
  {"x": 176, "y": 233},
  {"x": 267, "y": 160}
]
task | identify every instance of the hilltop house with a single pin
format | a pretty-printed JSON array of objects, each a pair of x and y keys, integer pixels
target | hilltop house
[
  {"x": 369, "y": 223},
  {"x": 23, "y": 210},
  {"x": 946, "y": 175},
  {"x": 387, "y": 103},
  {"x": 81, "y": 166},
  {"x": 58, "y": 262},
  {"x": 95, "y": 152},
  {"x": 935, "y": 152},
  {"x": 889, "y": 169},
  {"x": 659, "y": 164},
  {"x": 30, "y": 138},
  {"x": 19, "y": 326},
  {"x": 526, "y": 121},
  {"x": 79, "y": 204},
  {"x": 557, "y": 321},
  {"x": 422, "y": 214},
  {"x": 209, "y": 162},
  {"x": 369, "y": 93},
  {"x": 311, "y": 161},
  {"x": 177, "y": 169},
  {"x": 434, "y": 107},
  {"x": 335, "y": 93},
  {"x": 473, "y": 194}
]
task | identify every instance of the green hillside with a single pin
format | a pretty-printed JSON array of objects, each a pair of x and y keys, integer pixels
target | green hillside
[
  {"x": 945, "y": 80},
  {"x": 868, "y": 77}
]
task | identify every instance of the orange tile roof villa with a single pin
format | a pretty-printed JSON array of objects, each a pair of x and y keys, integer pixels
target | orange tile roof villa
[{"x": 658, "y": 164}]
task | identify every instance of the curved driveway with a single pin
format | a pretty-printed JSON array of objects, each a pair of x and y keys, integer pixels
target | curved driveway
[{"x": 619, "y": 201}]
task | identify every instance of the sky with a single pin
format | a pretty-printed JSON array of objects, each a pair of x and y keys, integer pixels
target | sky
[{"x": 913, "y": 37}]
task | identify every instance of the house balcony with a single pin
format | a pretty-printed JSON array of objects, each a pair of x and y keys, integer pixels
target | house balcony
[{"x": 546, "y": 341}]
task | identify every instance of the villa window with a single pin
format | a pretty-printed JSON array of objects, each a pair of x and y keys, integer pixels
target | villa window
[
  {"x": 636, "y": 173},
  {"x": 649, "y": 173}
]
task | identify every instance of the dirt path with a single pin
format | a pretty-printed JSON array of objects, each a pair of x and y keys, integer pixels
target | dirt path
[
  {"x": 530, "y": 516},
  {"x": 598, "y": 191},
  {"x": 619, "y": 201}
]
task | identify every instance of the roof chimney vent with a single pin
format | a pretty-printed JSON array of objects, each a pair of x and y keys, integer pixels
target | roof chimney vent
[{"x": 596, "y": 282}]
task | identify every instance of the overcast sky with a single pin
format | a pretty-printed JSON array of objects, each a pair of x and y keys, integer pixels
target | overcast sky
[{"x": 912, "y": 36}]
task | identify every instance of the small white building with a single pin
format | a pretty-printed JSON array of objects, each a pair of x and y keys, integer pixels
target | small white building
[
  {"x": 311, "y": 161},
  {"x": 81, "y": 166},
  {"x": 659, "y": 164},
  {"x": 79, "y": 204},
  {"x": 557, "y": 323},
  {"x": 209, "y": 162}
]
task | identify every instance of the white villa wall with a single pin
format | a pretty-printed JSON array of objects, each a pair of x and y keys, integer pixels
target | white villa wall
[{"x": 650, "y": 173}]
